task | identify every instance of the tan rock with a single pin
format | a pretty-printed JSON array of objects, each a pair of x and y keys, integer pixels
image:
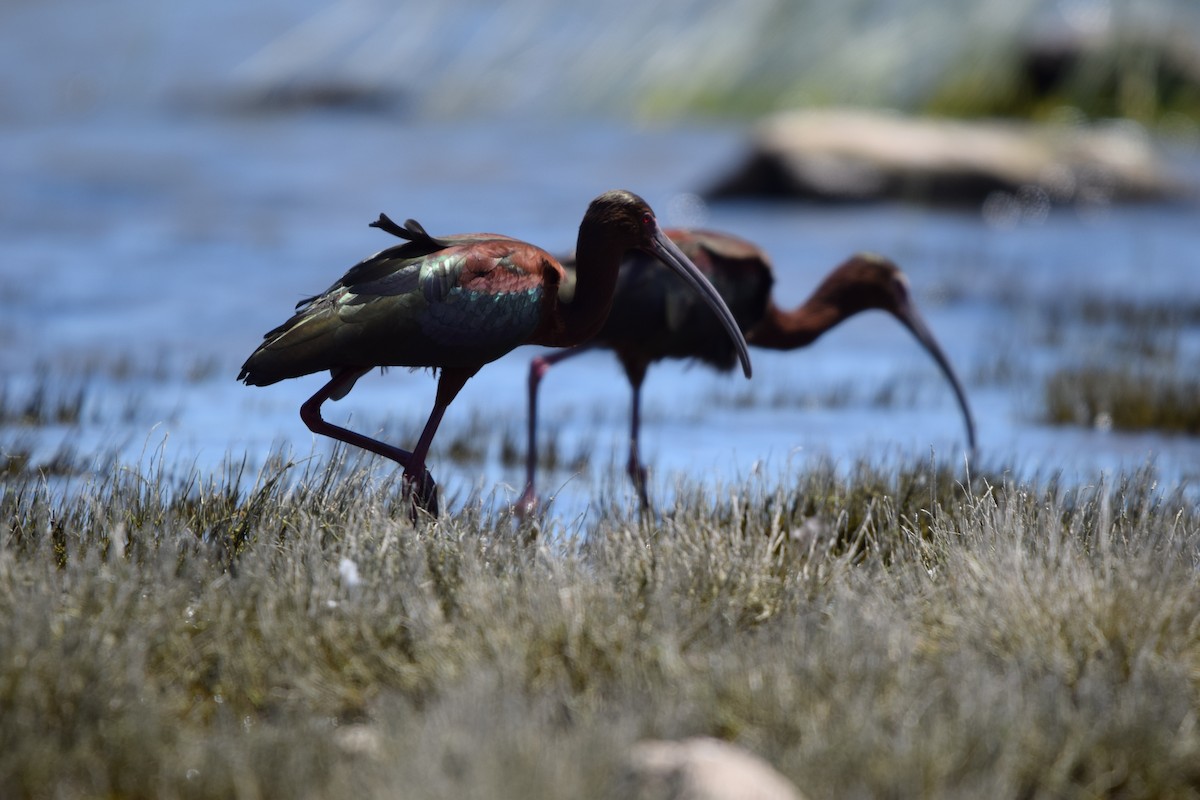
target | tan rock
[
  {"x": 701, "y": 769},
  {"x": 857, "y": 154}
]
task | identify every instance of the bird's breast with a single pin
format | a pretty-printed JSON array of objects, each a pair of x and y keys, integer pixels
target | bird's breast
[{"x": 487, "y": 319}]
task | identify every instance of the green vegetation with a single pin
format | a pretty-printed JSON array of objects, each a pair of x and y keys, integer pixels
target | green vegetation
[
  {"x": 980, "y": 60},
  {"x": 1125, "y": 398},
  {"x": 1151, "y": 79},
  {"x": 1100, "y": 360},
  {"x": 899, "y": 631},
  {"x": 1132, "y": 372}
]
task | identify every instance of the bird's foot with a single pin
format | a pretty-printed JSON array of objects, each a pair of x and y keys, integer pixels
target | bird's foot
[
  {"x": 527, "y": 504},
  {"x": 424, "y": 494}
]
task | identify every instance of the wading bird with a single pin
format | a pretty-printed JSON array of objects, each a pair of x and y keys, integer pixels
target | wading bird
[
  {"x": 456, "y": 303},
  {"x": 652, "y": 319}
]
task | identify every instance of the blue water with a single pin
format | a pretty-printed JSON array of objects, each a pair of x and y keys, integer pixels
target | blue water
[{"x": 151, "y": 229}]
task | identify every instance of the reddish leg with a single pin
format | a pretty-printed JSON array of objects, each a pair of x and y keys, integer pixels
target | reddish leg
[
  {"x": 423, "y": 487},
  {"x": 450, "y": 383},
  {"x": 637, "y": 472},
  {"x": 538, "y": 367}
]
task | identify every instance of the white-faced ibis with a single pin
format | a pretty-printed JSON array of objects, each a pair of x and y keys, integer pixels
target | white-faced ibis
[
  {"x": 652, "y": 319},
  {"x": 457, "y": 303}
]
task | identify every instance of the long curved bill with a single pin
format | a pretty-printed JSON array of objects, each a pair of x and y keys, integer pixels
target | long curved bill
[
  {"x": 912, "y": 319},
  {"x": 669, "y": 253}
]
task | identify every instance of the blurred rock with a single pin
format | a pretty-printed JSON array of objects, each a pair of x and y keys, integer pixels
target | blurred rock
[
  {"x": 701, "y": 769},
  {"x": 846, "y": 155},
  {"x": 283, "y": 98}
]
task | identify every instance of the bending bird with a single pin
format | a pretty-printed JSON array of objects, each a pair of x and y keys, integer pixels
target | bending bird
[{"x": 654, "y": 319}]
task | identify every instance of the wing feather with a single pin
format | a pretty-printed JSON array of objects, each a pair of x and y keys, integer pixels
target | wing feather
[{"x": 457, "y": 300}]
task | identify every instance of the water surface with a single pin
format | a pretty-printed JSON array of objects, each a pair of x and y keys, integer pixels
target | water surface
[{"x": 147, "y": 243}]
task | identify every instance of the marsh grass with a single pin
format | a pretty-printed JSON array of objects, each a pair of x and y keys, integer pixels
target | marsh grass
[
  {"x": 1133, "y": 74},
  {"x": 1133, "y": 375},
  {"x": 838, "y": 395},
  {"x": 155, "y": 368},
  {"x": 553, "y": 454},
  {"x": 477, "y": 436},
  {"x": 1124, "y": 398},
  {"x": 1146, "y": 330},
  {"x": 44, "y": 404},
  {"x": 75, "y": 389},
  {"x": 906, "y": 389},
  {"x": 19, "y": 458},
  {"x": 888, "y": 630},
  {"x": 1113, "y": 362}
]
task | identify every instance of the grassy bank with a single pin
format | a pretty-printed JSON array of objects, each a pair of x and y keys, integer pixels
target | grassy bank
[
  {"x": 1124, "y": 398},
  {"x": 1131, "y": 370},
  {"x": 893, "y": 633}
]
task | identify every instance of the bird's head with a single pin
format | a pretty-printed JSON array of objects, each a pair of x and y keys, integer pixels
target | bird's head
[
  {"x": 619, "y": 221},
  {"x": 628, "y": 220},
  {"x": 867, "y": 281}
]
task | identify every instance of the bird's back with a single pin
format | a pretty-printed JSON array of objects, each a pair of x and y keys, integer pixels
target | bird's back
[
  {"x": 655, "y": 316},
  {"x": 456, "y": 301}
]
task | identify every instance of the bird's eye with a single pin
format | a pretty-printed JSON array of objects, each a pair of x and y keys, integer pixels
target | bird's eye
[{"x": 647, "y": 220}]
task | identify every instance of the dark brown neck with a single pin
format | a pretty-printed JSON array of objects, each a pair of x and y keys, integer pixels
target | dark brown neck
[
  {"x": 597, "y": 260},
  {"x": 789, "y": 330}
]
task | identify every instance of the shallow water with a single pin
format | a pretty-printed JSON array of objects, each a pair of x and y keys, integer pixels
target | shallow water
[{"x": 147, "y": 247}]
